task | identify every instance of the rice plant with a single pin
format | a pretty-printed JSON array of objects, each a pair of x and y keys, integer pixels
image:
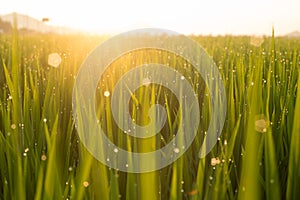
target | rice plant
[{"x": 256, "y": 157}]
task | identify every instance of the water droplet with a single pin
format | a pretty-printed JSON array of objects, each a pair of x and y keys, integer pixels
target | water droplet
[
  {"x": 215, "y": 161},
  {"x": 70, "y": 169},
  {"x": 176, "y": 150},
  {"x": 106, "y": 93},
  {"x": 182, "y": 78},
  {"x": 126, "y": 165},
  {"x": 13, "y": 126},
  {"x": 116, "y": 150},
  {"x": 26, "y": 150},
  {"x": 45, "y": 120},
  {"x": 85, "y": 184},
  {"x": 43, "y": 157},
  {"x": 225, "y": 142}
]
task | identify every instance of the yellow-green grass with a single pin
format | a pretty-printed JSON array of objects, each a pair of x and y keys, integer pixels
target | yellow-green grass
[{"x": 41, "y": 156}]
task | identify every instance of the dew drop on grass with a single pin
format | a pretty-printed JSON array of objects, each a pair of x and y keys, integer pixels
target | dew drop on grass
[
  {"x": 85, "y": 184},
  {"x": 70, "y": 169},
  {"x": 45, "y": 120},
  {"x": 225, "y": 142},
  {"x": 43, "y": 157},
  {"x": 116, "y": 150},
  {"x": 215, "y": 161},
  {"x": 13, "y": 126},
  {"x": 106, "y": 93},
  {"x": 176, "y": 150},
  {"x": 182, "y": 78}
]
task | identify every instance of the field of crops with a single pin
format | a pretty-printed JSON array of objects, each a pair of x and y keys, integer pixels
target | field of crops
[{"x": 257, "y": 155}]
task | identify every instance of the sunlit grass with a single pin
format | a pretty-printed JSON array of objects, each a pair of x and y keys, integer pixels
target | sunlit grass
[{"x": 41, "y": 156}]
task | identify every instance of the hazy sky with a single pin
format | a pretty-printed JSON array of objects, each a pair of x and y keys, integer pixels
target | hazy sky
[{"x": 184, "y": 16}]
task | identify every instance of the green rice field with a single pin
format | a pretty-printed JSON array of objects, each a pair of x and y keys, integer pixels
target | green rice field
[{"x": 257, "y": 155}]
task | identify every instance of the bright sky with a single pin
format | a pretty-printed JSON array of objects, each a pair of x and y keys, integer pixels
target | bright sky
[{"x": 184, "y": 16}]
